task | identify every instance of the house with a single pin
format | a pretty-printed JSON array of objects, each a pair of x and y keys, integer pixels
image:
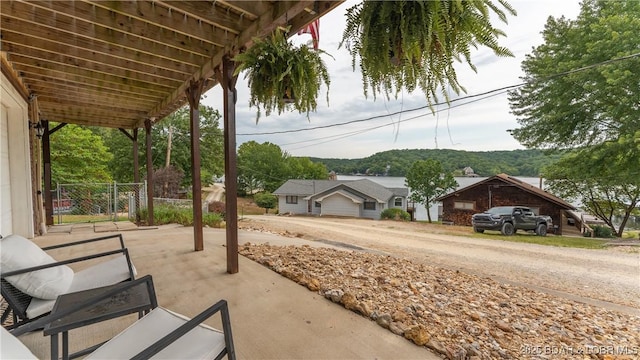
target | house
[
  {"x": 501, "y": 190},
  {"x": 354, "y": 198}
]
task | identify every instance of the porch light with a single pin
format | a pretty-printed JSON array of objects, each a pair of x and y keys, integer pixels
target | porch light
[{"x": 38, "y": 127}]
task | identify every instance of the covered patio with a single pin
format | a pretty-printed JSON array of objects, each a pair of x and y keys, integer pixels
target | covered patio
[
  {"x": 272, "y": 317},
  {"x": 124, "y": 65}
]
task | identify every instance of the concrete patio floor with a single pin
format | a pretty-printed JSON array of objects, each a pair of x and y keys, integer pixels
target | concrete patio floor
[{"x": 272, "y": 317}]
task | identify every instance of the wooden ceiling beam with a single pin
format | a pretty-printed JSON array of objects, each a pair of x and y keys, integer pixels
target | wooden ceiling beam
[
  {"x": 17, "y": 43},
  {"x": 12, "y": 75},
  {"x": 72, "y": 45},
  {"x": 108, "y": 97},
  {"x": 45, "y": 82},
  {"x": 78, "y": 75},
  {"x": 57, "y": 60},
  {"x": 76, "y": 111},
  {"x": 94, "y": 103},
  {"x": 250, "y": 8},
  {"x": 162, "y": 16},
  {"x": 74, "y": 29},
  {"x": 211, "y": 13},
  {"x": 125, "y": 24}
]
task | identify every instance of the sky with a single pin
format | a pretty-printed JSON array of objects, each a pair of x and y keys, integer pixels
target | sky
[{"x": 475, "y": 124}]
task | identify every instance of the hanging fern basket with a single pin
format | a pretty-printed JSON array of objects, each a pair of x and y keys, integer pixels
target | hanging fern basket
[
  {"x": 413, "y": 44},
  {"x": 282, "y": 76}
]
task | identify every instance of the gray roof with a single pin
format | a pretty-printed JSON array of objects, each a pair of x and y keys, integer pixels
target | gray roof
[{"x": 364, "y": 186}]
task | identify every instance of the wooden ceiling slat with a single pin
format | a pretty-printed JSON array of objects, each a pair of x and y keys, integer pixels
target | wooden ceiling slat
[
  {"x": 211, "y": 13},
  {"x": 41, "y": 65},
  {"x": 250, "y": 8},
  {"x": 71, "y": 45},
  {"x": 18, "y": 43},
  {"x": 73, "y": 28},
  {"x": 117, "y": 92},
  {"x": 93, "y": 112},
  {"x": 223, "y": 29},
  {"x": 95, "y": 103},
  {"x": 137, "y": 102},
  {"x": 125, "y": 24},
  {"x": 57, "y": 60}
]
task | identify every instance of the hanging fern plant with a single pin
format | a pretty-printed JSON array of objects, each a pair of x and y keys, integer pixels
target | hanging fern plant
[
  {"x": 282, "y": 75},
  {"x": 410, "y": 44}
]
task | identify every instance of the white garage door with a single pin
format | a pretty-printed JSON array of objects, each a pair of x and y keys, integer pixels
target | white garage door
[
  {"x": 5, "y": 178},
  {"x": 340, "y": 205}
]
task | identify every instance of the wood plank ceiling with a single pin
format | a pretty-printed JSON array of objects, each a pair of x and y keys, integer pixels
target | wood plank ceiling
[{"x": 118, "y": 63}]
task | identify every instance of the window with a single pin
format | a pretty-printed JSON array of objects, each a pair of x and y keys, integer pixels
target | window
[
  {"x": 292, "y": 199},
  {"x": 398, "y": 202},
  {"x": 369, "y": 205},
  {"x": 318, "y": 204},
  {"x": 464, "y": 205}
]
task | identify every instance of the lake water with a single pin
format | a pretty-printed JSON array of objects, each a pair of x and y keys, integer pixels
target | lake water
[{"x": 421, "y": 211}]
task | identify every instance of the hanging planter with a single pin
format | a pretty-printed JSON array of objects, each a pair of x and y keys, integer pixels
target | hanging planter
[
  {"x": 282, "y": 75},
  {"x": 410, "y": 44}
]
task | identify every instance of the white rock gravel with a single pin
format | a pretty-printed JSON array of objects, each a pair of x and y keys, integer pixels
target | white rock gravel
[{"x": 457, "y": 315}]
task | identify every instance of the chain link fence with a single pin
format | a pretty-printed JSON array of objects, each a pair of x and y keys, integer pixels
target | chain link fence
[{"x": 75, "y": 203}]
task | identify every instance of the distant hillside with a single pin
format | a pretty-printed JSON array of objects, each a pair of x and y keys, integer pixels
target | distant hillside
[{"x": 484, "y": 163}]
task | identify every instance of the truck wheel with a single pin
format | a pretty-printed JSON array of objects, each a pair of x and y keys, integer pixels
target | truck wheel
[
  {"x": 507, "y": 229},
  {"x": 541, "y": 230},
  {"x": 478, "y": 230}
]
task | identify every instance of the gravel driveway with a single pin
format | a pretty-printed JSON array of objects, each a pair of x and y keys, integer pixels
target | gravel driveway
[{"x": 609, "y": 278}]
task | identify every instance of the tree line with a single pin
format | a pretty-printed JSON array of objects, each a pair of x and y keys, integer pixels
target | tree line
[{"x": 484, "y": 163}]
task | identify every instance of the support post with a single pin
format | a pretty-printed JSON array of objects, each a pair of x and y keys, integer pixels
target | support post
[
  {"x": 194, "y": 91},
  {"x": 136, "y": 174},
  {"x": 228, "y": 83},
  {"x": 46, "y": 160},
  {"x": 147, "y": 128}
]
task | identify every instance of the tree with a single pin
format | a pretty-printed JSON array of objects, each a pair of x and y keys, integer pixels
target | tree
[
  {"x": 261, "y": 167},
  {"x": 582, "y": 91},
  {"x": 266, "y": 200},
  {"x": 179, "y": 156},
  {"x": 78, "y": 156},
  {"x": 304, "y": 168},
  {"x": 427, "y": 181},
  {"x": 592, "y": 178},
  {"x": 581, "y": 87}
]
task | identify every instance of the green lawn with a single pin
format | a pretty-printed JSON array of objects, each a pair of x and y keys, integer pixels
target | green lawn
[{"x": 551, "y": 240}]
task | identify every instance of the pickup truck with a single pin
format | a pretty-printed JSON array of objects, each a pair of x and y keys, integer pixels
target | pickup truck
[{"x": 509, "y": 219}]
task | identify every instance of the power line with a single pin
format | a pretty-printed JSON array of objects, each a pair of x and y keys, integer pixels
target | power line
[{"x": 502, "y": 89}]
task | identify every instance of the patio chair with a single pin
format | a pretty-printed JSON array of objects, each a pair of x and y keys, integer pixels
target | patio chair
[
  {"x": 31, "y": 279},
  {"x": 160, "y": 334}
]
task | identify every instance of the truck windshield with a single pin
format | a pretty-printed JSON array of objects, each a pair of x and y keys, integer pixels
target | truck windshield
[{"x": 500, "y": 210}]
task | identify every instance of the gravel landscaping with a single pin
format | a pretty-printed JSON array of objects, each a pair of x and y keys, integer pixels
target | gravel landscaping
[{"x": 455, "y": 314}]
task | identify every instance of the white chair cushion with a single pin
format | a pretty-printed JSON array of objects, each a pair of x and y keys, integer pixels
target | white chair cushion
[
  {"x": 203, "y": 342},
  {"x": 18, "y": 253},
  {"x": 101, "y": 274},
  {"x": 12, "y": 348}
]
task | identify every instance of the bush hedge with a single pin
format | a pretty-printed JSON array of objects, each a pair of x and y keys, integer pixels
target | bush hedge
[{"x": 395, "y": 214}]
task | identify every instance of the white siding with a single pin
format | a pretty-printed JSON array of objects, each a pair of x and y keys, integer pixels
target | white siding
[
  {"x": 16, "y": 204},
  {"x": 339, "y": 205},
  {"x": 299, "y": 209},
  {"x": 5, "y": 178}
]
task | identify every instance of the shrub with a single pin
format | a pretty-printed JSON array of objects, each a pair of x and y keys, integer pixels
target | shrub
[
  {"x": 266, "y": 200},
  {"x": 395, "y": 214},
  {"x": 218, "y": 207},
  {"x": 602, "y": 232},
  {"x": 169, "y": 214}
]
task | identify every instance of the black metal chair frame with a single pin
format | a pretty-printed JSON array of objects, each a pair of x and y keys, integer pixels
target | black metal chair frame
[
  {"x": 18, "y": 302},
  {"x": 219, "y": 307}
]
